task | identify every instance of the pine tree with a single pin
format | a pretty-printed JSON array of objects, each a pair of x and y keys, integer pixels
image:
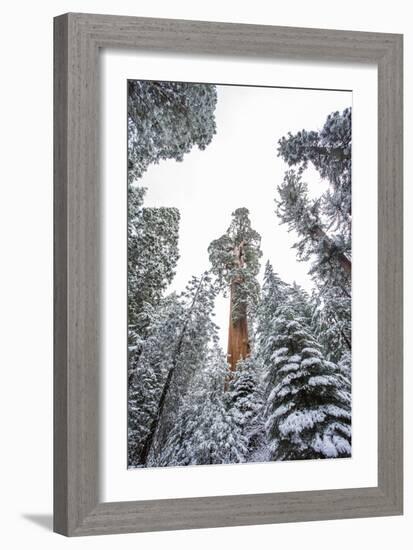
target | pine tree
[
  {"x": 329, "y": 151},
  {"x": 165, "y": 120},
  {"x": 161, "y": 374},
  {"x": 206, "y": 431},
  {"x": 330, "y": 253},
  {"x": 245, "y": 400},
  {"x": 330, "y": 264},
  {"x": 235, "y": 260},
  {"x": 332, "y": 322},
  {"x": 168, "y": 336},
  {"x": 152, "y": 258},
  {"x": 308, "y": 402},
  {"x": 197, "y": 333},
  {"x": 148, "y": 366},
  {"x": 273, "y": 293},
  {"x": 153, "y": 235},
  {"x": 323, "y": 226}
]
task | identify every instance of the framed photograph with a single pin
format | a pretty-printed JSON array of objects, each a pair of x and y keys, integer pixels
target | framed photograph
[{"x": 228, "y": 274}]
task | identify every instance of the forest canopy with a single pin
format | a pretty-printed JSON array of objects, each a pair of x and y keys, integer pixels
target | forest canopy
[{"x": 282, "y": 388}]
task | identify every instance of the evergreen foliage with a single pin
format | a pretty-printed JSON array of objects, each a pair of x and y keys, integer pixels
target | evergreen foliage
[
  {"x": 207, "y": 432},
  {"x": 330, "y": 254},
  {"x": 245, "y": 398},
  {"x": 329, "y": 151},
  {"x": 165, "y": 120},
  {"x": 153, "y": 235},
  {"x": 162, "y": 367},
  {"x": 332, "y": 321},
  {"x": 287, "y": 395},
  {"x": 235, "y": 258},
  {"x": 308, "y": 403},
  {"x": 323, "y": 226},
  {"x": 149, "y": 361}
]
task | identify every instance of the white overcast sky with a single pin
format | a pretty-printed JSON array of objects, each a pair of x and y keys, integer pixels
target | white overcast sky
[{"x": 240, "y": 168}]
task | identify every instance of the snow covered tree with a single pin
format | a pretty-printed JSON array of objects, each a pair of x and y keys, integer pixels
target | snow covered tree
[
  {"x": 245, "y": 401},
  {"x": 166, "y": 119},
  {"x": 206, "y": 432},
  {"x": 332, "y": 322},
  {"x": 330, "y": 264},
  {"x": 197, "y": 334},
  {"x": 330, "y": 253},
  {"x": 161, "y": 374},
  {"x": 329, "y": 151},
  {"x": 308, "y": 401},
  {"x": 323, "y": 226},
  {"x": 153, "y": 235},
  {"x": 152, "y": 327},
  {"x": 274, "y": 292},
  {"x": 149, "y": 360},
  {"x": 235, "y": 259}
]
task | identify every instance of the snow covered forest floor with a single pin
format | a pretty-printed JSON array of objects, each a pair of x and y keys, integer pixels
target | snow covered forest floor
[{"x": 282, "y": 388}]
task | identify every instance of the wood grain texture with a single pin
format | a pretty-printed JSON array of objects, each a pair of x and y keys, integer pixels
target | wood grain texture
[
  {"x": 78, "y": 38},
  {"x": 60, "y": 485},
  {"x": 390, "y": 272}
]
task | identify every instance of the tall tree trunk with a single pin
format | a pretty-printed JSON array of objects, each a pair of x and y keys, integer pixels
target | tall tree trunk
[{"x": 238, "y": 343}]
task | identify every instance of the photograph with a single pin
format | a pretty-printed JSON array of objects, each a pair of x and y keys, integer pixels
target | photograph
[{"x": 239, "y": 274}]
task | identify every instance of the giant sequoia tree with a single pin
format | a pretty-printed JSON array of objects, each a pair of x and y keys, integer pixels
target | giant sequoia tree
[
  {"x": 235, "y": 258},
  {"x": 288, "y": 394}
]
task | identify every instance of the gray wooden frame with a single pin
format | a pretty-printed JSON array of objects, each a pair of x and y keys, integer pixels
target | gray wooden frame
[{"x": 78, "y": 39}]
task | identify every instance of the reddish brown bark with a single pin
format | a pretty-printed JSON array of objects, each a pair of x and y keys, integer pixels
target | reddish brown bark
[{"x": 238, "y": 343}]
